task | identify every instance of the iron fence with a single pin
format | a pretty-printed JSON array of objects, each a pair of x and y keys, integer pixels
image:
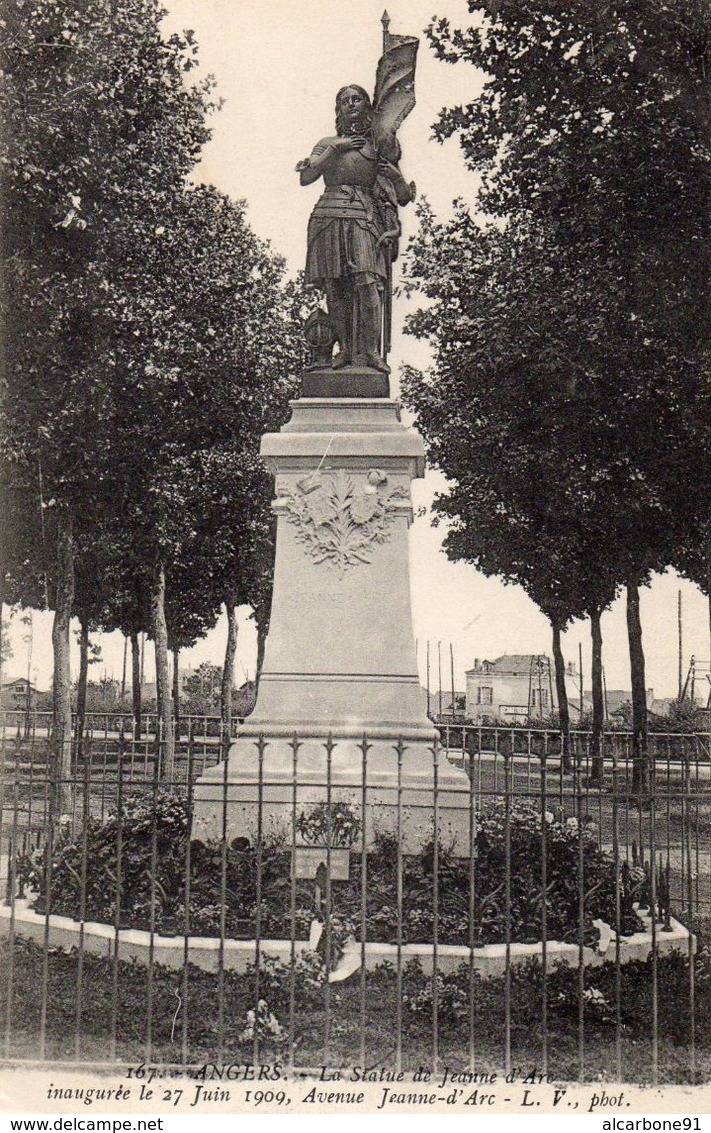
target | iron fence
[
  {"x": 26, "y": 739},
  {"x": 324, "y": 902},
  {"x": 28, "y": 734},
  {"x": 535, "y": 741}
]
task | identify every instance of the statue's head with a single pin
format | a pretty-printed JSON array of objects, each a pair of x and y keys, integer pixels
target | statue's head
[{"x": 354, "y": 112}]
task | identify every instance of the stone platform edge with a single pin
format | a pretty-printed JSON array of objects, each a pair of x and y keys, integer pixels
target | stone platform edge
[{"x": 488, "y": 959}]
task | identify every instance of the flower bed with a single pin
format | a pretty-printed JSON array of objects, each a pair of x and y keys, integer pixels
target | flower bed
[{"x": 242, "y": 891}]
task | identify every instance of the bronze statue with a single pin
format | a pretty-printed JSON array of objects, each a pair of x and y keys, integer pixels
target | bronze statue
[{"x": 354, "y": 228}]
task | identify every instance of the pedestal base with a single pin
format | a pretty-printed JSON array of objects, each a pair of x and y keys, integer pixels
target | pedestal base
[
  {"x": 406, "y": 790},
  {"x": 351, "y": 381},
  {"x": 340, "y": 657}
]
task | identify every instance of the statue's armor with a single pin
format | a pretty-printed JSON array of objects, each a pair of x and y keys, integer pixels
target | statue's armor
[{"x": 347, "y": 220}]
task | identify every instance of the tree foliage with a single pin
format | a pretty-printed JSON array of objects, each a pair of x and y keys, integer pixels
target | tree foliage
[
  {"x": 570, "y": 317},
  {"x": 149, "y": 338}
]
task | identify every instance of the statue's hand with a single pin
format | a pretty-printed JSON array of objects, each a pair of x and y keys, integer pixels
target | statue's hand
[{"x": 348, "y": 143}]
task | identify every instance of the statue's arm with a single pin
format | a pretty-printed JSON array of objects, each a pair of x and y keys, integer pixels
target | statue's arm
[
  {"x": 313, "y": 166},
  {"x": 389, "y": 148},
  {"x": 404, "y": 190}
]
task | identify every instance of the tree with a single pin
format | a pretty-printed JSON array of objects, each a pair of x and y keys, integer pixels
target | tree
[
  {"x": 201, "y": 690},
  {"x": 99, "y": 130},
  {"x": 152, "y": 323},
  {"x": 504, "y": 427},
  {"x": 586, "y": 292},
  {"x": 221, "y": 367}
]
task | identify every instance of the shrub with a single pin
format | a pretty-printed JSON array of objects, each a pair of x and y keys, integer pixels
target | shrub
[{"x": 224, "y": 894}]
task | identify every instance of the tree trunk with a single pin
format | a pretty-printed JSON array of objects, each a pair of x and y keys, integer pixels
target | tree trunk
[
  {"x": 61, "y": 749},
  {"x": 81, "y": 684},
  {"x": 136, "y": 685},
  {"x": 640, "y": 758},
  {"x": 123, "y": 672},
  {"x": 597, "y": 773},
  {"x": 2, "y": 634},
  {"x": 228, "y": 672},
  {"x": 176, "y": 693},
  {"x": 562, "y": 694},
  {"x": 160, "y": 638},
  {"x": 262, "y": 631}
]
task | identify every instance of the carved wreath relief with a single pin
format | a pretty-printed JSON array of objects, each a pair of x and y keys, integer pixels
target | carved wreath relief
[{"x": 337, "y": 520}]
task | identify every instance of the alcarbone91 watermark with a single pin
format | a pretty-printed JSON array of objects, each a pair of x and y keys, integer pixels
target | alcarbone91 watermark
[{"x": 650, "y": 1124}]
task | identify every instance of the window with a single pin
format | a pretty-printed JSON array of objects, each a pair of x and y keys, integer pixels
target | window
[
  {"x": 540, "y": 697},
  {"x": 485, "y": 695}
]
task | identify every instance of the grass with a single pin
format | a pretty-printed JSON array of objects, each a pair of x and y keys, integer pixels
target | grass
[{"x": 99, "y": 1010}]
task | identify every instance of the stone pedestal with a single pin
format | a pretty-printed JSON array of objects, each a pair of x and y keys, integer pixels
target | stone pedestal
[{"x": 340, "y": 660}]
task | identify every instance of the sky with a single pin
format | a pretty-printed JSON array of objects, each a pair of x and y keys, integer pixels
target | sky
[{"x": 278, "y": 65}]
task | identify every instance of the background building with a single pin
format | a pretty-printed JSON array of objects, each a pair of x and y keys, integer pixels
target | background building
[
  {"x": 521, "y": 686},
  {"x": 19, "y": 695}
]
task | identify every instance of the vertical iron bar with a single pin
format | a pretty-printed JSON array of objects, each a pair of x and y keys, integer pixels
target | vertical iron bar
[
  {"x": 653, "y": 911},
  {"x": 697, "y": 841},
  {"x": 618, "y": 912},
  {"x": 191, "y": 750},
  {"x": 12, "y": 882},
  {"x": 152, "y": 900},
  {"x": 581, "y": 920},
  {"x": 260, "y": 867},
  {"x": 31, "y": 794},
  {"x": 223, "y": 919},
  {"x": 400, "y": 749},
  {"x": 365, "y": 747},
  {"x": 472, "y": 915},
  {"x": 329, "y": 746},
  {"x": 544, "y": 920},
  {"x": 88, "y": 755},
  {"x": 507, "y": 912},
  {"x": 184, "y": 983},
  {"x": 295, "y": 745},
  {"x": 435, "y": 906},
  {"x": 53, "y": 787},
  {"x": 82, "y": 913},
  {"x": 117, "y": 911},
  {"x": 686, "y": 834}
]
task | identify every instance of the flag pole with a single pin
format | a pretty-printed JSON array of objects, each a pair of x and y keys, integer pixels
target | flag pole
[{"x": 385, "y": 21}]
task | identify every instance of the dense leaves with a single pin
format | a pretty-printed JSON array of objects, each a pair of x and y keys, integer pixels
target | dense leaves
[
  {"x": 148, "y": 338},
  {"x": 151, "y": 885},
  {"x": 569, "y": 400}
]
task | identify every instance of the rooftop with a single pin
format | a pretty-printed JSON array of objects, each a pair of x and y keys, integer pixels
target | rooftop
[{"x": 516, "y": 664}]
